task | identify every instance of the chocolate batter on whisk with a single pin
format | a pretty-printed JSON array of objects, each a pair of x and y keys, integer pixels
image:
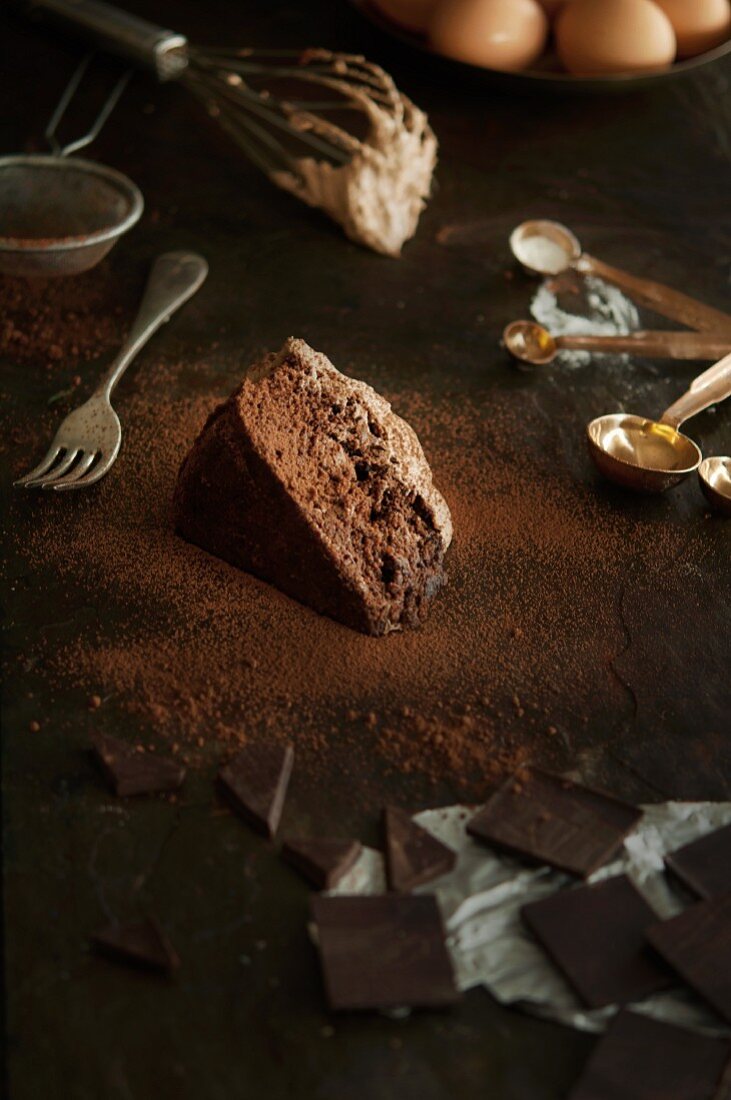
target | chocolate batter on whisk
[{"x": 374, "y": 185}]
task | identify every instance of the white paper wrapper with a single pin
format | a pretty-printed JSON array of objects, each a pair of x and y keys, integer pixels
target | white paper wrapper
[{"x": 482, "y": 897}]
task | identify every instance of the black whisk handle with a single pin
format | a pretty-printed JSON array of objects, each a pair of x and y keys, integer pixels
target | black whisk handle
[{"x": 133, "y": 38}]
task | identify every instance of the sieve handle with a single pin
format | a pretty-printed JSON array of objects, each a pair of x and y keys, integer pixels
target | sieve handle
[{"x": 144, "y": 43}]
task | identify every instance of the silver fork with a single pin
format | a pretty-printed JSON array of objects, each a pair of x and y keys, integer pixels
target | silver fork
[{"x": 87, "y": 443}]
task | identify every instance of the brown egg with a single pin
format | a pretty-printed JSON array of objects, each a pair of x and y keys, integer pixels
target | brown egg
[
  {"x": 699, "y": 24},
  {"x": 414, "y": 15},
  {"x": 498, "y": 34},
  {"x": 551, "y": 6},
  {"x": 614, "y": 36}
]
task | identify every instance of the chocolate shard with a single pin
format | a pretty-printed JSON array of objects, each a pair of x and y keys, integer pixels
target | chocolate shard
[
  {"x": 704, "y": 865},
  {"x": 643, "y": 1059},
  {"x": 143, "y": 944},
  {"x": 383, "y": 951},
  {"x": 308, "y": 479},
  {"x": 322, "y": 860},
  {"x": 697, "y": 945},
  {"x": 547, "y": 819},
  {"x": 131, "y": 771},
  {"x": 595, "y": 935},
  {"x": 256, "y": 783},
  {"x": 413, "y": 855}
]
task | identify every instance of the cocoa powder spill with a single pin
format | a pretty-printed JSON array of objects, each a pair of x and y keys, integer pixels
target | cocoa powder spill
[
  {"x": 44, "y": 322},
  {"x": 202, "y": 657}
]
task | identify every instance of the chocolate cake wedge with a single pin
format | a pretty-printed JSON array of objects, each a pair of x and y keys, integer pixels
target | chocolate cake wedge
[{"x": 308, "y": 479}]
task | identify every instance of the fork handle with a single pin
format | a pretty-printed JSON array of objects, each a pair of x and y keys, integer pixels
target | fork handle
[{"x": 174, "y": 278}]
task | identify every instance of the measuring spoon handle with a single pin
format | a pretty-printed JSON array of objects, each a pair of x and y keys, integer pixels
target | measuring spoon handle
[
  {"x": 658, "y": 297},
  {"x": 670, "y": 345},
  {"x": 708, "y": 388}
]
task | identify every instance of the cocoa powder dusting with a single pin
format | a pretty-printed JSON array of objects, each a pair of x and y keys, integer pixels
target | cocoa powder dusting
[
  {"x": 44, "y": 322},
  {"x": 202, "y": 657}
]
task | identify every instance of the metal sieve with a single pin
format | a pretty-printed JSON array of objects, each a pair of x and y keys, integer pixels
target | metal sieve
[{"x": 60, "y": 215}]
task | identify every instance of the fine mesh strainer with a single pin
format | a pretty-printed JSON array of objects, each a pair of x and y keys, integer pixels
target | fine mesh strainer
[{"x": 59, "y": 214}]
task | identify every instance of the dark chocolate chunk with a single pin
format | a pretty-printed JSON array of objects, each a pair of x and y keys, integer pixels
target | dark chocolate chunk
[
  {"x": 704, "y": 865},
  {"x": 256, "y": 783},
  {"x": 322, "y": 860},
  {"x": 642, "y": 1059},
  {"x": 383, "y": 951},
  {"x": 131, "y": 771},
  {"x": 413, "y": 855},
  {"x": 697, "y": 944},
  {"x": 551, "y": 820},
  {"x": 143, "y": 944},
  {"x": 595, "y": 935}
]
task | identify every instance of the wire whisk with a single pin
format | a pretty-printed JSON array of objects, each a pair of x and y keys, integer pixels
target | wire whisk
[{"x": 331, "y": 128}]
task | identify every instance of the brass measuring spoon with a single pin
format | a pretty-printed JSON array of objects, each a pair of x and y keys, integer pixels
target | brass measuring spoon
[
  {"x": 714, "y": 475},
  {"x": 531, "y": 343},
  {"x": 548, "y": 248},
  {"x": 653, "y": 455}
]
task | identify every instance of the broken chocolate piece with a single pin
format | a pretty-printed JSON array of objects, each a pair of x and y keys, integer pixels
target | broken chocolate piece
[
  {"x": 144, "y": 944},
  {"x": 322, "y": 860},
  {"x": 704, "y": 865},
  {"x": 547, "y": 819},
  {"x": 256, "y": 783},
  {"x": 413, "y": 855},
  {"x": 383, "y": 951},
  {"x": 595, "y": 935},
  {"x": 643, "y": 1059},
  {"x": 129, "y": 770},
  {"x": 697, "y": 944}
]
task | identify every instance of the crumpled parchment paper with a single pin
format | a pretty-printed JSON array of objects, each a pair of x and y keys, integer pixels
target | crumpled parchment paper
[{"x": 481, "y": 900}]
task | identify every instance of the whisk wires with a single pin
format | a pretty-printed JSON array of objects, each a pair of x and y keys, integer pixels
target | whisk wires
[{"x": 276, "y": 131}]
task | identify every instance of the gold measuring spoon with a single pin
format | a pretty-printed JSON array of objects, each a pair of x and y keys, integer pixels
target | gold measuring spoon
[
  {"x": 652, "y": 455},
  {"x": 532, "y": 343},
  {"x": 548, "y": 248},
  {"x": 714, "y": 475}
]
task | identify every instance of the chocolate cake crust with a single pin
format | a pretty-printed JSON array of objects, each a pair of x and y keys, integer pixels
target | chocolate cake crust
[{"x": 308, "y": 479}]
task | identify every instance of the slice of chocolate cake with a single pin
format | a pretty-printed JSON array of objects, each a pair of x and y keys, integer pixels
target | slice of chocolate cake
[{"x": 309, "y": 480}]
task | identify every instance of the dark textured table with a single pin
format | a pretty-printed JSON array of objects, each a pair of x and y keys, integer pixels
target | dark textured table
[{"x": 644, "y": 179}]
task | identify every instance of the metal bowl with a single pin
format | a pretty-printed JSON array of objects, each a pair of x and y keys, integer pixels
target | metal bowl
[
  {"x": 549, "y": 77},
  {"x": 61, "y": 215}
]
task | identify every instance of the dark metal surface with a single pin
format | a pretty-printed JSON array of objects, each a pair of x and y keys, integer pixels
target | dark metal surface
[{"x": 644, "y": 180}]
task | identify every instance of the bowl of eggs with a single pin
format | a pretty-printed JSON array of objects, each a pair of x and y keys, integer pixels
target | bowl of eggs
[{"x": 590, "y": 45}]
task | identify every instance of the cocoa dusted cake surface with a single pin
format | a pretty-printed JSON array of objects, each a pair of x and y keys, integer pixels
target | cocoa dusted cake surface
[{"x": 308, "y": 479}]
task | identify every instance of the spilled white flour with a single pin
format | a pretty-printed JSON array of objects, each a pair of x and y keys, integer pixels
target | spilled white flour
[
  {"x": 542, "y": 254},
  {"x": 595, "y": 308}
]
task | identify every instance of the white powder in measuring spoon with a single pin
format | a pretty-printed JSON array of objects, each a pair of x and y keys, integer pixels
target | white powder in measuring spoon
[
  {"x": 602, "y": 310},
  {"x": 542, "y": 254}
]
